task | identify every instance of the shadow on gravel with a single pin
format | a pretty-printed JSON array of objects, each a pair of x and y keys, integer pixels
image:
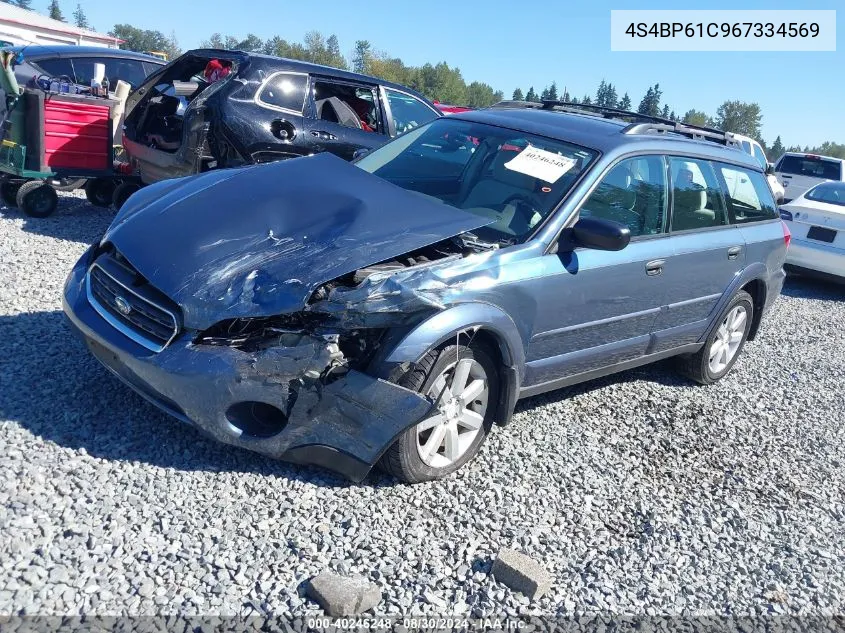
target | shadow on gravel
[
  {"x": 805, "y": 287},
  {"x": 51, "y": 386},
  {"x": 75, "y": 220}
]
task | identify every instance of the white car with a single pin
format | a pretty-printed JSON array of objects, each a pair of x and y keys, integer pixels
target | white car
[
  {"x": 798, "y": 172},
  {"x": 816, "y": 219},
  {"x": 750, "y": 146}
]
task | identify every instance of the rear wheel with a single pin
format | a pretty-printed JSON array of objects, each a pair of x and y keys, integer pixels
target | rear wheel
[
  {"x": 9, "y": 192},
  {"x": 724, "y": 343},
  {"x": 122, "y": 192},
  {"x": 463, "y": 384},
  {"x": 99, "y": 191},
  {"x": 37, "y": 199}
]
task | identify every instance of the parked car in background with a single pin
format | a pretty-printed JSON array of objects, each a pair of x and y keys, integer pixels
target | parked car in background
[
  {"x": 816, "y": 219},
  {"x": 260, "y": 109},
  {"x": 451, "y": 109},
  {"x": 394, "y": 309},
  {"x": 798, "y": 172},
  {"x": 750, "y": 146}
]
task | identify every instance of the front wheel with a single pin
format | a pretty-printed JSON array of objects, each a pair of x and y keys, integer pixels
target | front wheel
[
  {"x": 37, "y": 199},
  {"x": 724, "y": 343},
  {"x": 99, "y": 191},
  {"x": 463, "y": 384}
]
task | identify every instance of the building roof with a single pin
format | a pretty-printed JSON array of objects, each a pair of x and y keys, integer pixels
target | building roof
[{"x": 10, "y": 13}]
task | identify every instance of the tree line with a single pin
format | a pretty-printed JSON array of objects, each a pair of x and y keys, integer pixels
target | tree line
[{"x": 55, "y": 12}]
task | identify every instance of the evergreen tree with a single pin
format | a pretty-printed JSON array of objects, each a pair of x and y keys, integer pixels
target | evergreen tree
[
  {"x": 650, "y": 103},
  {"x": 56, "y": 11},
  {"x": 777, "y": 149},
  {"x": 517, "y": 95},
  {"x": 79, "y": 17},
  {"x": 625, "y": 103},
  {"x": 586, "y": 100},
  {"x": 531, "y": 95},
  {"x": 23, "y": 4},
  {"x": 361, "y": 57},
  {"x": 665, "y": 112},
  {"x": 553, "y": 92}
]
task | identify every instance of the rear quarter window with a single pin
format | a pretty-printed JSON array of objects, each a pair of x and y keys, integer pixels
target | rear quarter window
[
  {"x": 285, "y": 91},
  {"x": 747, "y": 193}
]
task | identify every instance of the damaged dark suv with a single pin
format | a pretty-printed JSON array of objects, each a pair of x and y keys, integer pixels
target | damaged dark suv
[
  {"x": 393, "y": 310},
  {"x": 255, "y": 109}
]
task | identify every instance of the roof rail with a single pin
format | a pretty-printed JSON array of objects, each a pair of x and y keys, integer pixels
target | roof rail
[{"x": 639, "y": 123}]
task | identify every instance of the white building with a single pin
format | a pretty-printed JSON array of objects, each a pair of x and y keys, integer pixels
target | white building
[{"x": 20, "y": 26}]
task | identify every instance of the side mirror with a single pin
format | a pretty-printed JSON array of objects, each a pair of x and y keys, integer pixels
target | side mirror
[
  {"x": 360, "y": 153},
  {"x": 770, "y": 169},
  {"x": 600, "y": 234}
]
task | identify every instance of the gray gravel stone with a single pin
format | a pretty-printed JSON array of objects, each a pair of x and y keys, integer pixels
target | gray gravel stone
[
  {"x": 343, "y": 595},
  {"x": 521, "y": 573},
  {"x": 640, "y": 493}
]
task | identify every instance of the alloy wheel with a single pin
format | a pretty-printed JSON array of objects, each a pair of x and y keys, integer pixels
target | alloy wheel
[
  {"x": 728, "y": 339},
  {"x": 460, "y": 394}
]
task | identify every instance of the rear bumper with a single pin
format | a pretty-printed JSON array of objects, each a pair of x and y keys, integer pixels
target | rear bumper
[
  {"x": 816, "y": 256},
  {"x": 344, "y": 424}
]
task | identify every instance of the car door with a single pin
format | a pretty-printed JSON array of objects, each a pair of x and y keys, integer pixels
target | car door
[
  {"x": 344, "y": 117},
  {"x": 597, "y": 308},
  {"x": 405, "y": 111},
  {"x": 708, "y": 251}
]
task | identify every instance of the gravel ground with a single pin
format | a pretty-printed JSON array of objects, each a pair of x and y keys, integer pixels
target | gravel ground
[{"x": 640, "y": 493}]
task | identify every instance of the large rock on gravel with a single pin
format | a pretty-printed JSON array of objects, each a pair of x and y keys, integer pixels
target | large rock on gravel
[
  {"x": 521, "y": 573},
  {"x": 343, "y": 595}
]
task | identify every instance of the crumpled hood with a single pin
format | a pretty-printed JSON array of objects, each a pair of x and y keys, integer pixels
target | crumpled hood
[{"x": 258, "y": 241}]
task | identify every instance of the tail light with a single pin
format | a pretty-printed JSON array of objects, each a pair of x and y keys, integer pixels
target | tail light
[
  {"x": 787, "y": 234},
  {"x": 784, "y": 214}
]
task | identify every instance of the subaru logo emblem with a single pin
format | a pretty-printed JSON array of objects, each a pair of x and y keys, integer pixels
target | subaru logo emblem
[{"x": 122, "y": 305}]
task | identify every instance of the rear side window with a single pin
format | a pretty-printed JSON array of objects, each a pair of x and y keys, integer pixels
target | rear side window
[
  {"x": 56, "y": 67},
  {"x": 829, "y": 192},
  {"x": 285, "y": 91},
  {"x": 760, "y": 156},
  {"x": 131, "y": 71},
  {"x": 748, "y": 194},
  {"x": 811, "y": 166},
  {"x": 633, "y": 193},
  {"x": 696, "y": 195}
]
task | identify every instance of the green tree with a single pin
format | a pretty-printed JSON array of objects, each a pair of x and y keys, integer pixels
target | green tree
[
  {"x": 625, "y": 103},
  {"x": 695, "y": 117},
  {"x": 141, "y": 40},
  {"x": 56, "y": 11},
  {"x": 23, "y": 4},
  {"x": 553, "y": 92},
  {"x": 480, "y": 95},
  {"x": 517, "y": 95},
  {"x": 587, "y": 100},
  {"x": 80, "y": 19},
  {"x": 531, "y": 95},
  {"x": 650, "y": 103},
  {"x": 741, "y": 117},
  {"x": 665, "y": 112},
  {"x": 673, "y": 116},
  {"x": 361, "y": 56},
  {"x": 777, "y": 149}
]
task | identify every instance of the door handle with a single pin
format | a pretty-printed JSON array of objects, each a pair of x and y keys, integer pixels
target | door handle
[
  {"x": 734, "y": 251},
  {"x": 785, "y": 177},
  {"x": 326, "y": 136},
  {"x": 654, "y": 267}
]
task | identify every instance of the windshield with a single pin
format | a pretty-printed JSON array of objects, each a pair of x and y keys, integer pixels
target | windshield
[
  {"x": 812, "y": 166},
  {"x": 513, "y": 178},
  {"x": 830, "y": 192}
]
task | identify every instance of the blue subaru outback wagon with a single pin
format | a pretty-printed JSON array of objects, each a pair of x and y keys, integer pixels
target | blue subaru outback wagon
[{"x": 393, "y": 310}]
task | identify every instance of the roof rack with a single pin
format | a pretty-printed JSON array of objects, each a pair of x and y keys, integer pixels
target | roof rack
[{"x": 639, "y": 123}]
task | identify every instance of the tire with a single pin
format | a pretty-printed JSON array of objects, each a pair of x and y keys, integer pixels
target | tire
[
  {"x": 67, "y": 184},
  {"x": 404, "y": 459},
  {"x": 122, "y": 192},
  {"x": 9, "y": 192},
  {"x": 99, "y": 191},
  {"x": 726, "y": 341},
  {"x": 37, "y": 199}
]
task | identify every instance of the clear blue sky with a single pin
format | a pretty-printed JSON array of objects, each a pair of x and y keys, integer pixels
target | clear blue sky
[{"x": 530, "y": 42}]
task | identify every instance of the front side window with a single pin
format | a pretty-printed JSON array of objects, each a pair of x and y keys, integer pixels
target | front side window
[
  {"x": 285, "y": 91},
  {"x": 633, "y": 193},
  {"x": 513, "y": 179},
  {"x": 696, "y": 195},
  {"x": 748, "y": 194},
  {"x": 407, "y": 111},
  {"x": 813, "y": 166}
]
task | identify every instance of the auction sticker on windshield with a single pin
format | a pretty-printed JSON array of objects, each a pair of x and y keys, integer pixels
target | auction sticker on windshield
[{"x": 538, "y": 163}]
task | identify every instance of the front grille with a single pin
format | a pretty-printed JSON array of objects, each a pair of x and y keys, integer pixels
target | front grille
[{"x": 139, "y": 317}]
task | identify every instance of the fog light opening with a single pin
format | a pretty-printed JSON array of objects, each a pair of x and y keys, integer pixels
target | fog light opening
[{"x": 256, "y": 419}]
